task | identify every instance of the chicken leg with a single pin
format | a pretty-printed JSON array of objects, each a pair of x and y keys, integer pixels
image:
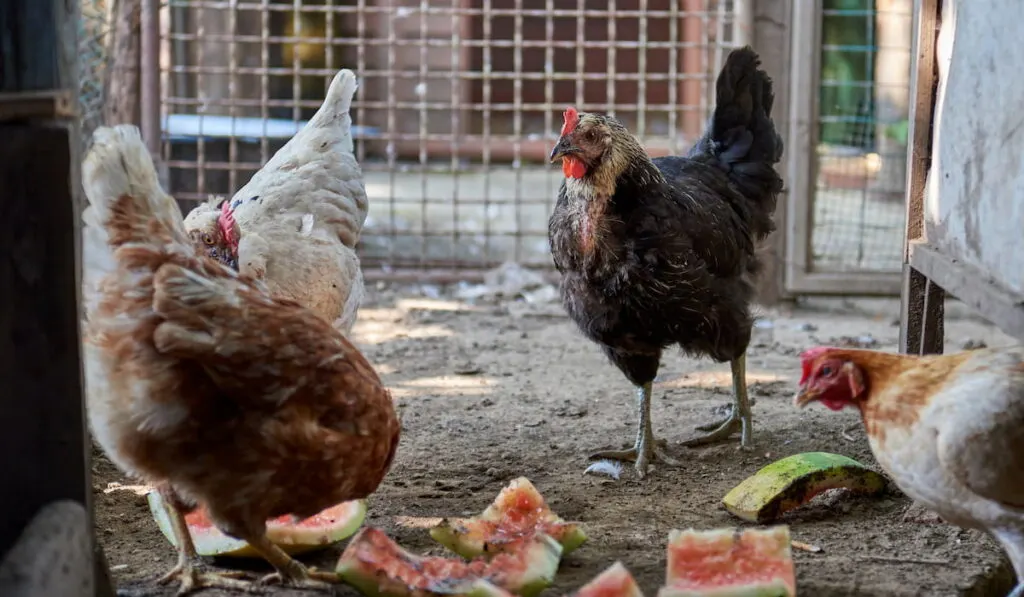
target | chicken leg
[
  {"x": 290, "y": 572},
  {"x": 188, "y": 569},
  {"x": 647, "y": 448},
  {"x": 739, "y": 417}
]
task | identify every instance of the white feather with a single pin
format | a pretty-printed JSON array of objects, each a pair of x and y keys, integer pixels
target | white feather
[{"x": 609, "y": 468}]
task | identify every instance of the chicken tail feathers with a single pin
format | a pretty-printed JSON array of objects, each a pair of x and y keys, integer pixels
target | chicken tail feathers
[
  {"x": 341, "y": 91},
  {"x": 126, "y": 207},
  {"x": 334, "y": 116},
  {"x": 741, "y": 137},
  {"x": 125, "y": 198}
]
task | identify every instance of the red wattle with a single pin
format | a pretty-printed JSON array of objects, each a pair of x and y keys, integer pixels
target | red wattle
[
  {"x": 573, "y": 168},
  {"x": 834, "y": 404}
]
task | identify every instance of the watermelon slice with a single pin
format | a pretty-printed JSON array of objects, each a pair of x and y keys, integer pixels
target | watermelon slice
[
  {"x": 791, "y": 482},
  {"x": 730, "y": 563},
  {"x": 517, "y": 514},
  {"x": 379, "y": 567},
  {"x": 615, "y": 581},
  {"x": 316, "y": 532}
]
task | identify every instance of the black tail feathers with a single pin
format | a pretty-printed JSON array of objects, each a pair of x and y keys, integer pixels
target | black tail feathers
[{"x": 741, "y": 137}]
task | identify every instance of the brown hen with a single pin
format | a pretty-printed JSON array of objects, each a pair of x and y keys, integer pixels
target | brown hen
[{"x": 202, "y": 384}]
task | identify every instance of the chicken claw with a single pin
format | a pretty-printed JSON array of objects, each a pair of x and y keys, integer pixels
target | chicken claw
[
  {"x": 647, "y": 448},
  {"x": 290, "y": 572},
  {"x": 188, "y": 569},
  {"x": 188, "y": 572},
  {"x": 739, "y": 417}
]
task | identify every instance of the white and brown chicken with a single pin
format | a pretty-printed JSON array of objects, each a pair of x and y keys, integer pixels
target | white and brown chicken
[{"x": 295, "y": 225}]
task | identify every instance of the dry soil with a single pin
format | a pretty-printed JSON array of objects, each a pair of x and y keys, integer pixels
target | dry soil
[{"x": 496, "y": 389}]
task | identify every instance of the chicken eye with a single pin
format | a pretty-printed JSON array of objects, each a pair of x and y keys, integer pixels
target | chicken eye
[
  {"x": 207, "y": 239},
  {"x": 826, "y": 371}
]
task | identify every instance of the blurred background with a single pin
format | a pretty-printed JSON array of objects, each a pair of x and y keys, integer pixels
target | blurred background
[{"x": 460, "y": 101}]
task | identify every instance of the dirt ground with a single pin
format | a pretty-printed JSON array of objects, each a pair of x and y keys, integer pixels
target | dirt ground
[{"x": 494, "y": 389}]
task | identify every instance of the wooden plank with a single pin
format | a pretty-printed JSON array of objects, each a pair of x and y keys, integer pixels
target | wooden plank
[
  {"x": 44, "y": 444},
  {"x": 771, "y": 40},
  {"x": 44, "y": 450},
  {"x": 149, "y": 70},
  {"x": 844, "y": 283},
  {"x": 800, "y": 142},
  {"x": 922, "y": 327},
  {"x": 121, "y": 83},
  {"x": 975, "y": 202},
  {"x": 27, "y": 62},
  {"x": 977, "y": 290},
  {"x": 918, "y": 311},
  {"x": 20, "y": 105}
]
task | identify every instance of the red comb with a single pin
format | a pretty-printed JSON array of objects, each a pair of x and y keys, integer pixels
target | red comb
[
  {"x": 570, "y": 119},
  {"x": 808, "y": 357},
  {"x": 226, "y": 221}
]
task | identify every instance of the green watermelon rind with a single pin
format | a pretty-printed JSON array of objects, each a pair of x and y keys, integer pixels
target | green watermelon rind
[
  {"x": 770, "y": 587},
  {"x": 371, "y": 587},
  {"x": 216, "y": 543},
  {"x": 540, "y": 560},
  {"x": 790, "y": 482},
  {"x": 612, "y": 577},
  {"x": 455, "y": 534}
]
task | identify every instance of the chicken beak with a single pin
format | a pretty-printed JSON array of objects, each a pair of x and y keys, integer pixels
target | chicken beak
[
  {"x": 562, "y": 149},
  {"x": 805, "y": 396}
]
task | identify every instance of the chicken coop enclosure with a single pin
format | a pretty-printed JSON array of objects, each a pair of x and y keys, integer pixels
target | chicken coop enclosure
[
  {"x": 460, "y": 101},
  {"x": 848, "y": 145}
]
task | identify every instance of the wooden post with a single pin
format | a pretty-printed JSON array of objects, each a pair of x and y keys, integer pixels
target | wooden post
[
  {"x": 121, "y": 87},
  {"x": 44, "y": 448},
  {"x": 771, "y": 37},
  {"x": 922, "y": 310}
]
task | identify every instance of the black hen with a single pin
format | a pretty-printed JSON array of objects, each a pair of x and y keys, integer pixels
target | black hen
[{"x": 655, "y": 253}]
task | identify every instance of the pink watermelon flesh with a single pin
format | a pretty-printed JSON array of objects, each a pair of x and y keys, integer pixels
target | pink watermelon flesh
[
  {"x": 377, "y": 566},
  {"x": 723, "y": 561},
  {"x": 615, "y": 581},
  {"x": 517, "y": 515},
  {"x": 293, "y": 536}
]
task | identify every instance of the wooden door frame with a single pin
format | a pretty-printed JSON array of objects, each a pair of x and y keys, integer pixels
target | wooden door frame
[{"x": 801, "y": 170}]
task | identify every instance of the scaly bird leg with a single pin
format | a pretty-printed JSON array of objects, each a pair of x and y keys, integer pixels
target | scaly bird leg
[
  {"x": 739, "y": 419},
  {"x": 290, "y": 572},
  {"x": 188, "y": 569},
  {"x": 647, "y": 448}
]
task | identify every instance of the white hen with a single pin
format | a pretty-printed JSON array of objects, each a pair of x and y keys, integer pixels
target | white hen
[{"x": 296, "y": 223}]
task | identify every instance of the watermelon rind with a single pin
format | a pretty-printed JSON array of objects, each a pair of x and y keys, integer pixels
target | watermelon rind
[
  {"x": 614, "y": 581},
  {"x": 792, "y": 481},
  {"x": 772, "y": 589},
  {"x": 366, "y": 568},
  {"x": 294, "y": 540},
  {"x": 371, "y": 585},
  {"x": 716, "y": 555},
  {"x": 474, "y": 537}
]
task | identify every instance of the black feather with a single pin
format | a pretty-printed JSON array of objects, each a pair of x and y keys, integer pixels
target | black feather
[{"x": 672, "y": 261}]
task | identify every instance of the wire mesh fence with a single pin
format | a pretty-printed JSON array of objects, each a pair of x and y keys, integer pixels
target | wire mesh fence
[
  {"x": 94, "y": 28},
  {"x": 858, "y": 216},
  {"x": 458, "y": 106}
]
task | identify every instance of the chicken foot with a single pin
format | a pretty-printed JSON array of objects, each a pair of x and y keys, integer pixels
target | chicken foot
[
  {"x": 647, "y": 448},
  {"x": 188, "y": 570},
  {"x": 739, "y": 418},
  {"x": 290, "y": 572}
]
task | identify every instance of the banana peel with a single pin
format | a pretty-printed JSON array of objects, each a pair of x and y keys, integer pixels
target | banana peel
[{"x": 791, "y": 482}]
